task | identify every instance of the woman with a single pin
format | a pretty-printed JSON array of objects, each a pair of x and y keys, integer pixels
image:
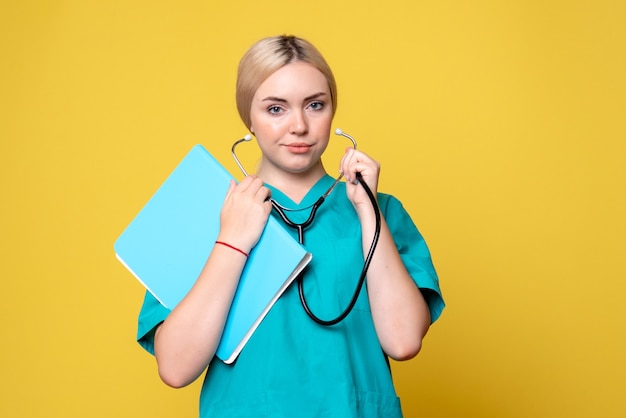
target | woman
[{"x": 292, "y": 366}]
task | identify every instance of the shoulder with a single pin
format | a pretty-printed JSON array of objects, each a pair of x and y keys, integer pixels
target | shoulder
[{"x": 389, "y": 204}]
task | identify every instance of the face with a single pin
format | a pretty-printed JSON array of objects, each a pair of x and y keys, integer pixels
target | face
[{"x": 291, "y": 115}]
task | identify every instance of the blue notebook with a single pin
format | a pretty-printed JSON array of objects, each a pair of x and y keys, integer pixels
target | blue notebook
[{"x": 167, "y": 244}]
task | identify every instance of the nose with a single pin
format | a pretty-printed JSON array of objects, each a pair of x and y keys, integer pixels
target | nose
[{"x": 299, "y": 125}]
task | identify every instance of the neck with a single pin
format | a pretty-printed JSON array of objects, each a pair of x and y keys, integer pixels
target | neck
[{"x": 293, "y": 185}]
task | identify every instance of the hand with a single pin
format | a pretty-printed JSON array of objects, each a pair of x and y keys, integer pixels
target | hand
[
  {"x": 245, "y": 213},
  {"x": 354, "y": 162}
]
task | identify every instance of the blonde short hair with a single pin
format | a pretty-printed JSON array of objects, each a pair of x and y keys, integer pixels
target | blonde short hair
[{"x": 269, "y": 55}]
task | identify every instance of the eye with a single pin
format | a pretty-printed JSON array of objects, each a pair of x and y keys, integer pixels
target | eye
[
  {"x": 274, "y": 110},
  {"x": 317, "y": 105}
]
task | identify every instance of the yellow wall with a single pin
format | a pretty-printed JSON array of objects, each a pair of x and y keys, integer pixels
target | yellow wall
[{"x": 499, "y": 124}]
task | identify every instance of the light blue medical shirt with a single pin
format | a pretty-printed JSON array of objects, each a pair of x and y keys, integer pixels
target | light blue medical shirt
[{"x": 293, "y": 367}]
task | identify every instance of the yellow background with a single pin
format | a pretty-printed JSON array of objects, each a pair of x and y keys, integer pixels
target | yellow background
[{"x": 500, "y": 125}]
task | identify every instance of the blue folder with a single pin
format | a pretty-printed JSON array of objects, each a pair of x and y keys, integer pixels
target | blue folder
[{"x": 167, "y": 244}]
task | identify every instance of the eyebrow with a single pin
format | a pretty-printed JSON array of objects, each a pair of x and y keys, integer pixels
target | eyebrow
[{"x": 281, "y": 100}]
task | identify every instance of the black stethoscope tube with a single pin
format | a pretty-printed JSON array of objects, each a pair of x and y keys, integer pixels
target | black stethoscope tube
[{"x": 300, "y": 227}]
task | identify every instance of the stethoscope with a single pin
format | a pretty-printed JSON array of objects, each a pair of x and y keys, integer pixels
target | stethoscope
[{"x": 300, "y": 227}]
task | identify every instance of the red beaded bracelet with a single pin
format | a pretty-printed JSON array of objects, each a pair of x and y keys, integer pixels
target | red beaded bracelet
[{"x": 233, "y": 247}]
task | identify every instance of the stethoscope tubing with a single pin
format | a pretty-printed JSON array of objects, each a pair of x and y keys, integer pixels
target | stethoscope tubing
[
  {"x": 366, "y": 264},
  {"x": 300, "y": 227}
]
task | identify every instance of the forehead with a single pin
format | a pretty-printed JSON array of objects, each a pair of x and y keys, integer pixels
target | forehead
[{"x": 294, "y": 80}]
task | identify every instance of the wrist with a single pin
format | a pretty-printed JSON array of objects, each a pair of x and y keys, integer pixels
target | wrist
[{"x": 232, "y": 247}]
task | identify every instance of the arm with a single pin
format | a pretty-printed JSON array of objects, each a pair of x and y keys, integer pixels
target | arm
[
  {"x": 400, "y": 313},
  {"x": 186, "y": 341}
]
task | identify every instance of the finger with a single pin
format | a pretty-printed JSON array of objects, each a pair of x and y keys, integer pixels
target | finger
[
  {"x": 253, "y": 185},
  {"x": 231, "y": 187},
  {"x": 246, "y": 182},
  {"x": 263, "y": 193},
  {"x": 364, "y": 165},
  {"x": 356, "y": 165},
  {"x": 344, "y": 166}
]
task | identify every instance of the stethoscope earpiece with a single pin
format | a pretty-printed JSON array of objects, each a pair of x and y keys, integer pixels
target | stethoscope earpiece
[{"x": 342, "y": 133}]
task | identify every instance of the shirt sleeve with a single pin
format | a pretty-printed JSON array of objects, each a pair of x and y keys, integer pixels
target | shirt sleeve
[
  {"x": 414, "y": 252},
  {"x": 151, "y": 315}
]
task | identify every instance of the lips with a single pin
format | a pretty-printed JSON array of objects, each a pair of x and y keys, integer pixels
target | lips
[{"x": 298, "y": 148}]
